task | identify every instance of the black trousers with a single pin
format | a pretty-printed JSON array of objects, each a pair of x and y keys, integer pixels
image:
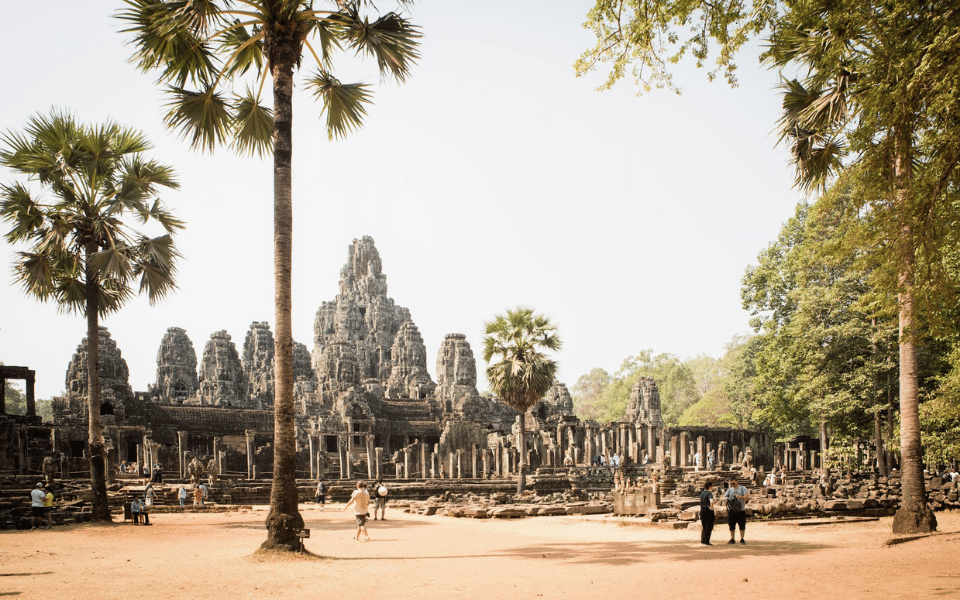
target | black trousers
[{"x": 707, "y": 519}]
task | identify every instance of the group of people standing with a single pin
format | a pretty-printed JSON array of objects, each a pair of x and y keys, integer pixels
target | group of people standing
[
  {"x": 41, "y": 505},
  {"x": 736, "y": 497}
]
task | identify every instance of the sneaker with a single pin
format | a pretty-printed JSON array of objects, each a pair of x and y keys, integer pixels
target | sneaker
[
  {"x": 731, "y": 542},
  {"x": 743, "y": 542},
  {"x": 706, "y": 543}
]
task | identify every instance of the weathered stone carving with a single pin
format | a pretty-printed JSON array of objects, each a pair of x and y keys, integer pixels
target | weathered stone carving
[
  {"x": 409, "y": 377},
  {"x": 176, "y": 367},
  {"x": 221, "y": 375},
  {"x": 258, "y": 363},
  {"x": 644, "y": 404},
  {"x": 456, "y": 373},
  {"x": 114, "y": 374}
]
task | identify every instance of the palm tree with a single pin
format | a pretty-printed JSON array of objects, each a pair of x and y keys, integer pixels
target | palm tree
[
  {"x": 83, "y": 255},
  {"x": 522, "y": 374},
  {"x": 879, "y": 87},
  {"x": 204, "y": 50}
]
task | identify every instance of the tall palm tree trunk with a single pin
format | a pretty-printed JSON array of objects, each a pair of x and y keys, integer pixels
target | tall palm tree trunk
[
  {"x": 522, "y": 446},
  {"x": 98, "y": 466},
  {"x": 284, "y": 518},
  {"x": 914, "y": 515}
]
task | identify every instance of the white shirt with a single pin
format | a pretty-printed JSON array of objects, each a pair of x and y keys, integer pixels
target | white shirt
[{"x": 37, "y": 496}]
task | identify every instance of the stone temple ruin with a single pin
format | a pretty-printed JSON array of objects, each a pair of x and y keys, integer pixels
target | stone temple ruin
[{"x": 366, "y": 404}]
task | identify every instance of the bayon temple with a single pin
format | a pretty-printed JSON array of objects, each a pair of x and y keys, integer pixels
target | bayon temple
[{"x": 366, "y": 405}]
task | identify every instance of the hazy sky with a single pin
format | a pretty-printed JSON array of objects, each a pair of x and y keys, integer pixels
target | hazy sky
[{"x": 493, "y": 178}]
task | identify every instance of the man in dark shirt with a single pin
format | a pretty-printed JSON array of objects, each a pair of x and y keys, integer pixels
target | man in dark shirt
[{"x": 707, "y": 516}]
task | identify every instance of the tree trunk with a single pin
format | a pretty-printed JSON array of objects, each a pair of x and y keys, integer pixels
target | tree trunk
[
  {"x": 98, "y": 465},
  {"x": 878, "y": 436},
  {"x": 284, "y": 519},
  {"x": 522, "y": 477},
  {"x": 878, "y": 441},
  {"x": 914, "y": 515}
]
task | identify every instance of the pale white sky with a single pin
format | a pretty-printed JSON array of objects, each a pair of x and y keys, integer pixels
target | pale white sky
[{"x": 492, "y": 178}]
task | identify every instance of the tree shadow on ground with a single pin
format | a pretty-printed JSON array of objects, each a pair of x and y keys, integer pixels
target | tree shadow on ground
[{"x": 623, "y": 553}]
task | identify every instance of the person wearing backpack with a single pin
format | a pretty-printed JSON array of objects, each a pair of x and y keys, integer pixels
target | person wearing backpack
[
  {"x": 736, "y": 497},
  {"x": 707, "y": 516}
]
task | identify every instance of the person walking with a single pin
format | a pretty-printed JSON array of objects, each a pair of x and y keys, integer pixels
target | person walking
[
  {"x": 182, "y": 495},
  {"x": 736, "y": 497},
  {"x": 696, "y": 461},
  {"x": 707, "y": 516},
  {"x": 360, "y": 500},
  {"x": 711, "y": 460},
  {"x": 321, "y": 493}
]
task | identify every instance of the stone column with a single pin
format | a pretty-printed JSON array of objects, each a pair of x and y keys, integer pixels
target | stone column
[
  {"x": 31, "y": 402},
  {"x": 786, "y": 456},
  {"x": 507, "y": 467},
  {"x": 371, "y": 470},
  {"x": 459, "y": 464},
  {"x": 588, "y": 447},
  {"x": 313, "y": 457},
  {"x": 674, "y": 451},
  {"x": 24, "y": 441},
  {"x": 684, "y": 444},
  {"x": 342, "y": 451},
  {"x": 349, "y": 463},
  {"x": 250, "y": 449},
  {"x": 349, "y": 424},
  {"x": 473, "y": 461},
  {"x": 451, "y": 465},
  {"x": 423, "y": 461},
  {"x": 406, "y": 462},
  {"x": 139, "y": 458},
  {"x": 485, "y": 454},
  {"x": 813, "y": 460},
  {"x": 497, "y": 458},
  {"x": 652, "y": 442},
  {"x": 378, "y": 461},
  {"x": 216, "y": 454},
  {"x": 181, "y": 450}
]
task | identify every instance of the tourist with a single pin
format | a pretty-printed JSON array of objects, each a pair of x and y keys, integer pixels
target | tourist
[
  {"x": 696, "y": 461},
  {"x": 646, "y": 457},
  {"x": 148, "y": 496},
  {"x": 736, "y": 497},
  {"x": 48, "y": 508},
  {"x": 321, "y": 493},
  {"x": 360, "y": 500},
  {"x": 711, "y": 460},
  {"x": 197, "y": 497},
  {"x": 568, "y": 460},
  {"x": 205, "y": 494},
  {"x": 157, "y": 473},
  {"x": 37, "y": 497},
  {"x": 707, "y": 516},
  {"x": 380, "y": 496},
  {"x": 182, "y": 495},
  {"x": 443, "y": 472},
  {"x": 136, "y": 508}
]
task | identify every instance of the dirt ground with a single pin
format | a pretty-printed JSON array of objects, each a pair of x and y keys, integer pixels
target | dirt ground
[{"x": 210, "y": 556}]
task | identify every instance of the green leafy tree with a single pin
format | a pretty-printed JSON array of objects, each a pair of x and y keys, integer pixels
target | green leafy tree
[
  {"x": 522, "y": 373},
  {"x": 85, "y": 184},
  {"x": 586, "y": 393},
  {"x": 645, "y": 38},
  {"x": 878, "y": 99},
  {"x": 205, "y": 50}
]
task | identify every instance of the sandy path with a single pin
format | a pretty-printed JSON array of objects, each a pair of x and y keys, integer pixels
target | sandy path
[{"x": 210, "y": 556}]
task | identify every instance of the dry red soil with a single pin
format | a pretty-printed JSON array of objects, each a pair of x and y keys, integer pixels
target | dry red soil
[{"x": 209, "y": 556}]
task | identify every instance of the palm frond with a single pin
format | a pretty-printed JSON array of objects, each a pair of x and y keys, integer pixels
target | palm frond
[
  {"x": 18, "y": 208},
  {"x": 391, "y": 39},
  {"x": 343, "y": 104},
  {"x": 253, "y": 126},
  {"x": 245, "y": 50},
  {"x": 112, "y": 263},
  {"x": 163, "y": 42},
  {"x": 202, "y": 117}
]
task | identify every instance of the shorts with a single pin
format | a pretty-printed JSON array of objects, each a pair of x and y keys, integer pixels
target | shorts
[
  {"x": 38, "y": 511},
  {"x": 737, "y": 517},
  {"x": 361, "y": 519},
  {"x": 381, "y": 502},
  {"x": 322, "y": 499}
]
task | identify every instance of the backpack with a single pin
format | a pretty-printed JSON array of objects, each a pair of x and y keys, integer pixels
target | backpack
[
  {"x": 321, "y": 489},
  {"x": 733, "y": 503}
]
